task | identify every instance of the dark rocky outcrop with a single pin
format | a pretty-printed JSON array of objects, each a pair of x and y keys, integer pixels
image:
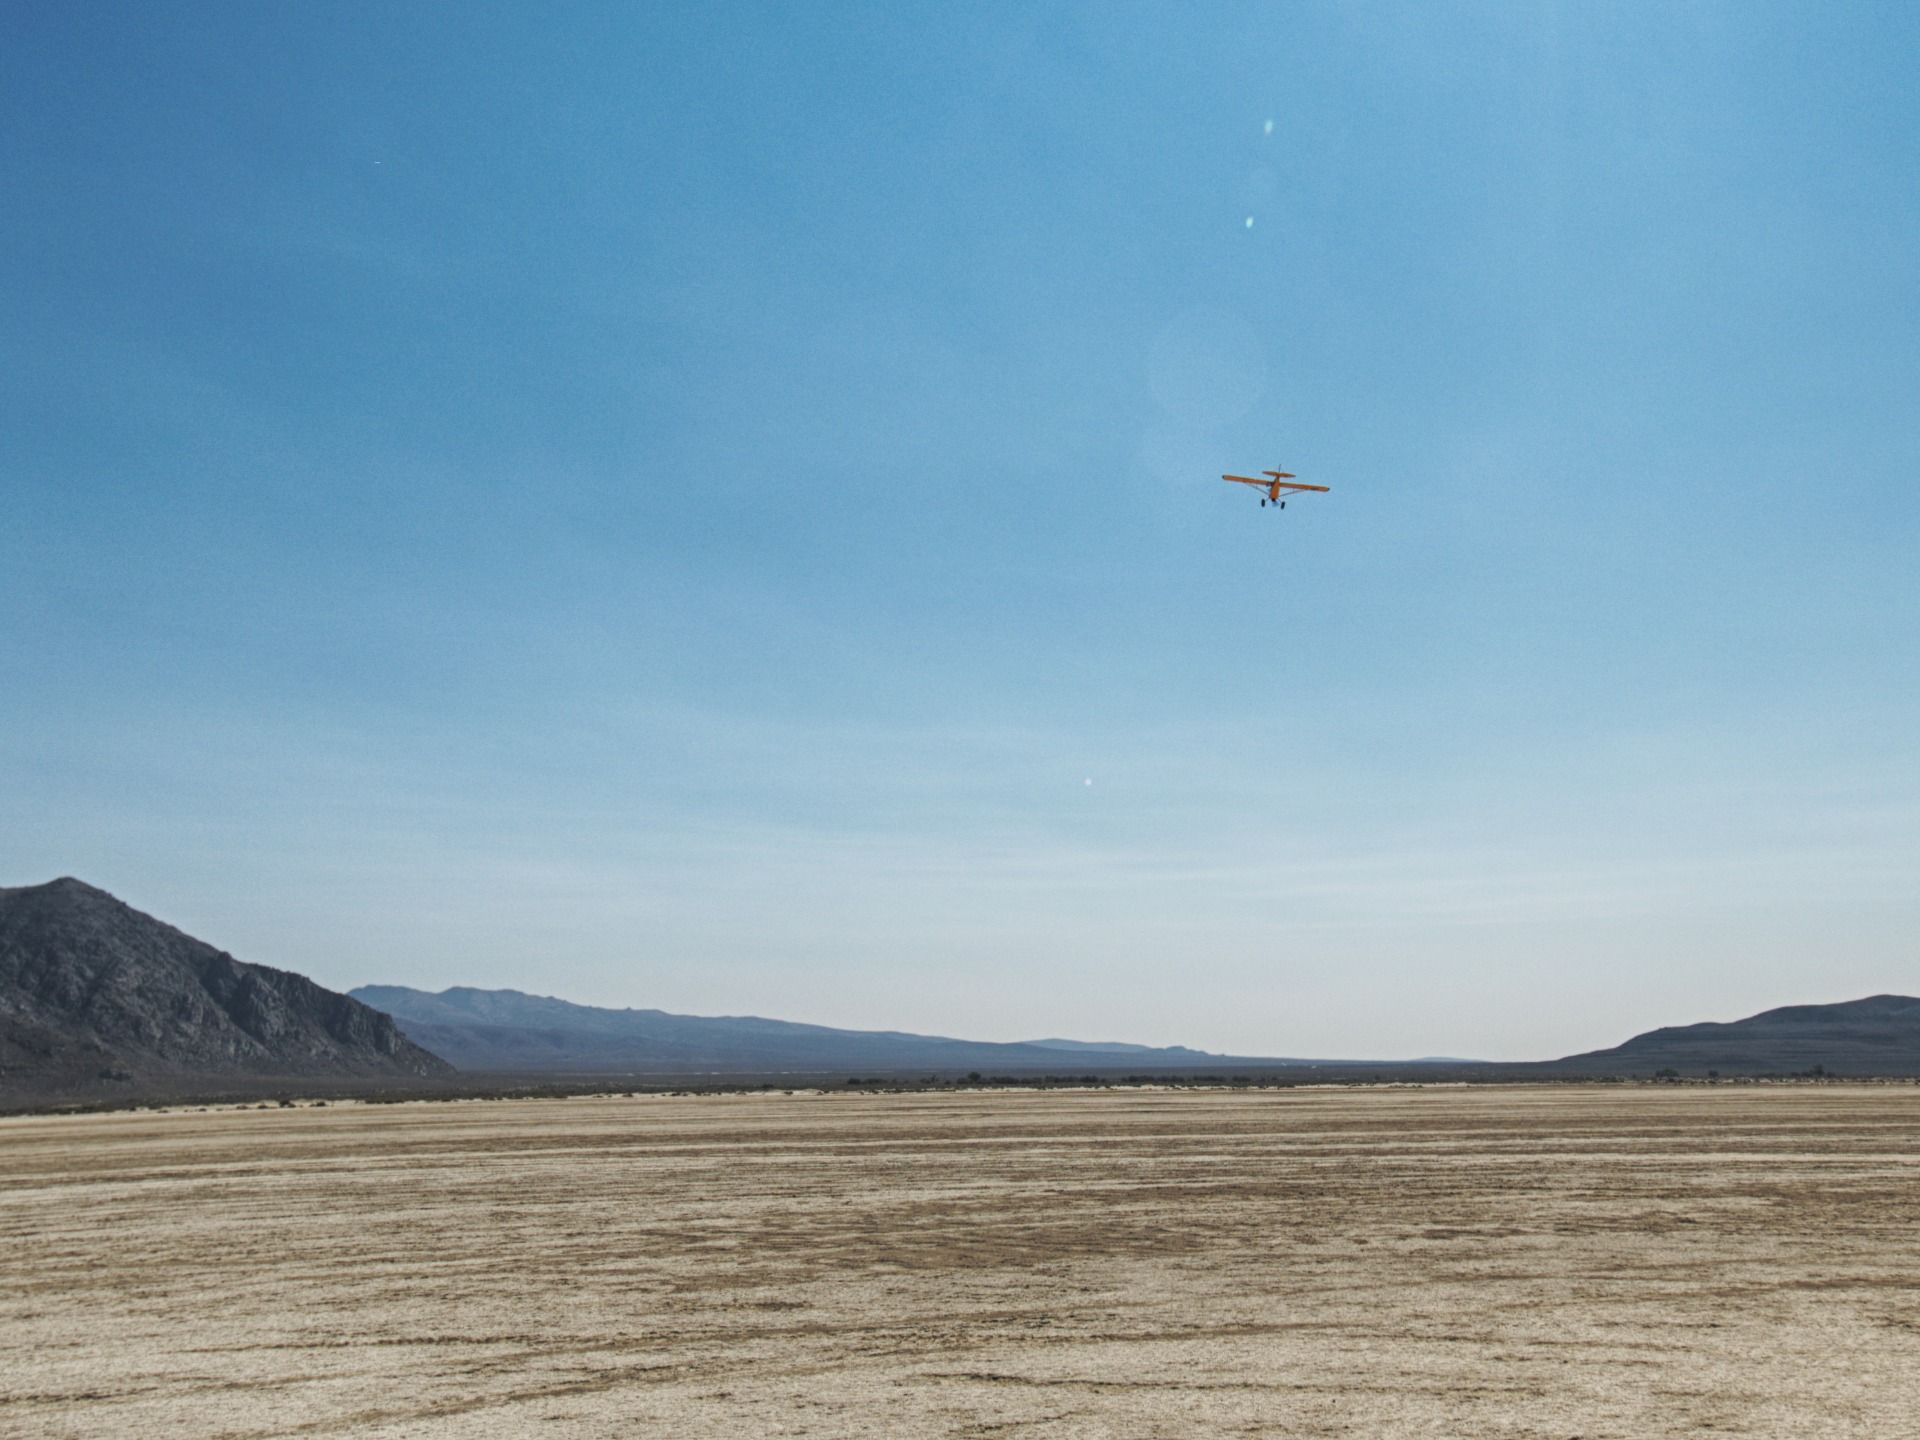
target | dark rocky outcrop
[{"x": 96, "y": 997}]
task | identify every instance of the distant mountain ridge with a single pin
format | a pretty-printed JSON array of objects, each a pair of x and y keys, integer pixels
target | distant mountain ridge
[
  {"x": 508, "y": 1030},
  {"x": 97, "y": 997},
  {"x": 1879, "y": 1035},
  {"x": 1116, "y": 1047},
  {"x": 98, "y": 1000}
]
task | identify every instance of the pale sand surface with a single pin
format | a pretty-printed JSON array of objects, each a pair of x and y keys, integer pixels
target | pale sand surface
[{"x": 1553, "y": 1261}]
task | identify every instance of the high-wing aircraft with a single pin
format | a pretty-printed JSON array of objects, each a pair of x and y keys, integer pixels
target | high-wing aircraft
[{"x": 1276, "y": 481}]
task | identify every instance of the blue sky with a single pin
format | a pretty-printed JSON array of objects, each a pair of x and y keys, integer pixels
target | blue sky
[{"x": 715, "y": 506}]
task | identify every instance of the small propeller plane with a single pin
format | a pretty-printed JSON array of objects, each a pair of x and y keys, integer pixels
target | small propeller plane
[{"x": 1276, "y": 481}]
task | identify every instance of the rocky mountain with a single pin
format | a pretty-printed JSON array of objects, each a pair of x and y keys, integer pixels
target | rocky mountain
[
  {"x": 1879, "y": 1035},
  {"x": 505, "y": 1030},
  {"x": 97, "y": 998}
]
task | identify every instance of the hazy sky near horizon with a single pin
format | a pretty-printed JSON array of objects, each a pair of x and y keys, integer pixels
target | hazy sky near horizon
[{"x": 716, "y": 506}]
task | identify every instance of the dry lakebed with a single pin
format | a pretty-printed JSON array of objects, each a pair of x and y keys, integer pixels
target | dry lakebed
[{"x": 1564, "y": 1260}]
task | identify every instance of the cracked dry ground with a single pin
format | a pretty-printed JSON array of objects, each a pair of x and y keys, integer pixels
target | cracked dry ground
[{"x": 1554, "y": 1261}]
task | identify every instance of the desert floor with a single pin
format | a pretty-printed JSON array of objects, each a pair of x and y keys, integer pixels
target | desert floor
[{"x": 1553, "y": 1261}]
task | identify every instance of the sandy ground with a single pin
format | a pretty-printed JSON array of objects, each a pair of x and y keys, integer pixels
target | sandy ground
[{"x": 1560, "y": 1261}]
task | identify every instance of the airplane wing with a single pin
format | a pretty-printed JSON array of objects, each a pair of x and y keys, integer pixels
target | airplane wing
[{"x": 1289, "y": 485}]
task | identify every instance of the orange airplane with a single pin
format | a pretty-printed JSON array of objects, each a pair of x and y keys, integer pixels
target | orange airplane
[{"x": 1276, "y": 481}]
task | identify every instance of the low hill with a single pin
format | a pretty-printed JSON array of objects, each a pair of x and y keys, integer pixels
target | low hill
[
  {"x": 97, "y": 999},
  {"x": 505, "y": 1030},
  {"x": 1876, "y": 1036}
]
